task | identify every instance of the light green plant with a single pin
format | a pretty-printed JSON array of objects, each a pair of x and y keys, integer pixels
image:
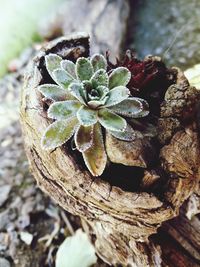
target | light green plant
[
  {"x": 19, "y": 25},
  {"x": 86, "y": 99}
]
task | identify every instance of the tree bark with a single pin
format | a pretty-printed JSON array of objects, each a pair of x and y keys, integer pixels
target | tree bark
[{"x": 120, "y": 223}]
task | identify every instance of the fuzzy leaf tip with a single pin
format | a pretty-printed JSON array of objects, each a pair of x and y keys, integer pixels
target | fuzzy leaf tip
[
  {"x": 98, "y": 62},
  {"x": 84, "y": 69},
  {"x": 119, "y": 76}
]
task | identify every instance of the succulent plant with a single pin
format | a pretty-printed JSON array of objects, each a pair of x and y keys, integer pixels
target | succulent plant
[{"x": 87, "y": 99}]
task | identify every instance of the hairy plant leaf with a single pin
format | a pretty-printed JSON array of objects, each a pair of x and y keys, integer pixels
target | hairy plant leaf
[
  {"x": 119, "y": 76},
  {"x": 100, "y": 91},
  {"x": 52, "y": 62},
  {"x": 100, "y": 77},
  {"x": 54, "y": 92},
  {"x": 128, "y": 135},
  {"x": 98, "y": 62},
  {"x": 84, "y": 137},
  {"x": 69, "y": 66},
  {"x": 117, "y": 95},
  {"x": 58, "y": 133},
  {"x": 84, "y": 69},
  {"x": 77, "y": 90},
  {"x": 133, "y": 107},
  {"x": 76, "y": 251},
  {"x": 111, "y": 121},
  {"x": 62, "y": 78},
  {"x": 104, "y": 90},
  {"x": 96, "y": 103},
  {"x": 87, "y": 116},
  {"x": 95, "y": 157},
  {"x": 63, "y": 109}
]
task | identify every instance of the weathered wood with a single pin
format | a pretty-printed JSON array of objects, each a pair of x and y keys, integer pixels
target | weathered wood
[
  {"x": 120, "y": 221},
  {"x": 186, "y": 233},
  {"x": 193, "y": 204}
]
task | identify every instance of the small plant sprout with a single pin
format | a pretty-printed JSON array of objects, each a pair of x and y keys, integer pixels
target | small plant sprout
[{"x": 86, "y": 100}]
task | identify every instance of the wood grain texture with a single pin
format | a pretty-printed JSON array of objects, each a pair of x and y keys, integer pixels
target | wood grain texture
[{"x": 121, "y": 221}]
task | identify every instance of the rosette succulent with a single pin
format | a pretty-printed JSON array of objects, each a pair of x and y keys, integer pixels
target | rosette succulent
[{"x": 87, "y": 101}]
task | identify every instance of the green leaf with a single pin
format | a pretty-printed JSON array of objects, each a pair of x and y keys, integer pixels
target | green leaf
[
  {"x": 77, "y": 90},
  {"x": 95, "y": 157},
  {"x": 87, "y": 116},
  {"x": 58, "y": 133},
  {"x": 100, "y": 91},
  {"x": 111, "y": 121},
  {"x": 62, "y": 78},
  {"x": 119, "y": 76},
  {"x": 104, "y": 91},
  {"x": 96, "y": 103},
  {"x": 117, "y": 95},
  {"x": 132, "y": 107},
  {"x": 52, "y": 62},
  {"x": 98, "y": 62},
  {"x": 100, "y": 77},
  {"x": 84, "y": 69},
  {"x": 54, "y": 92},
  {"x": 76, "y": 251},
  {"x": 84, "y": 137},
  {"x": 63, "y": 110},
  {"x": 69, "y": 66},
  {"x": 128, "y": 135}
]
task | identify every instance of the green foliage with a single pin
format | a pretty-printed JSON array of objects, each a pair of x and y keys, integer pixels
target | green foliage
[
  {"x": 87, "y": 98},
  {"x": 18, "y": 27}
]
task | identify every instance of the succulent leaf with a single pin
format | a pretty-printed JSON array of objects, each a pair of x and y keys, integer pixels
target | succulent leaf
[
  {"x": 69, "y": 66},
  {"x": 97, "y": 97},
  {"x": 98, "y": 93},
  {"x": 62, "y": 78},
  {"x": 63, "y": 109},
  {"x": 119, "y": 76},
  {"x": 84, "y": 137},
  {"x": 52, "y": 62},
  {"x": 133, "y": 107},
  {"x": 96, "y": 103},
  {"x": 100, "y": 77},
  {"x": 95, "y": 157},
  {"x": 117, "y": 95},
  {"x": 104, "y": 91},
  {"x": 77, "y": 90},
  {"x": 98, "y": 62},
  {"x": 54, "y": 92},
  {"x": 87, "y": 116},
  {"x": 84, "y": 69},
  {"x": 128, "y": 135},
  {"x": 111, "y": 121},
  {"x": 58, "y": 133}
]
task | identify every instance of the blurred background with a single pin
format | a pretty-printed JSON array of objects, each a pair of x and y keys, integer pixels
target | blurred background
[{"x": 32, "y": 227}]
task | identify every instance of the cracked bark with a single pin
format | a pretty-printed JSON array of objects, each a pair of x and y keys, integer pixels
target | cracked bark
[{"x": 121, "y": 223}]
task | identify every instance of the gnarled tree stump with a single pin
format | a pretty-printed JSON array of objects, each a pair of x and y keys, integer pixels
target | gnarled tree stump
[{"x": 120, "y": 221}]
